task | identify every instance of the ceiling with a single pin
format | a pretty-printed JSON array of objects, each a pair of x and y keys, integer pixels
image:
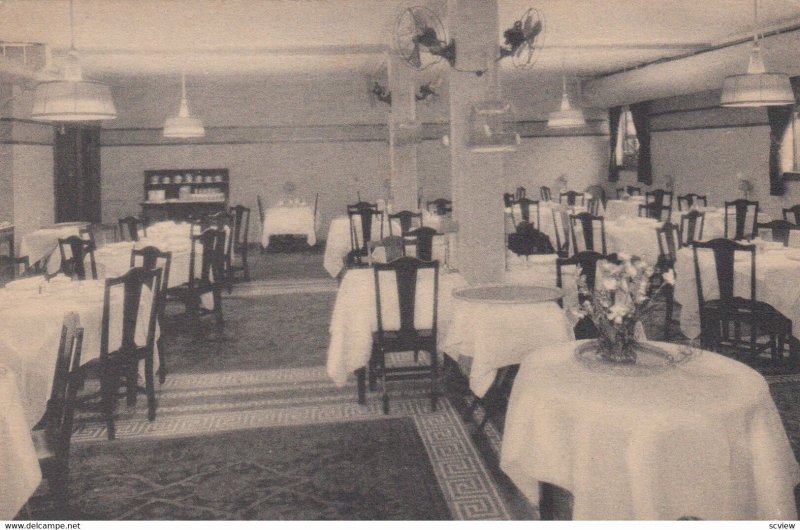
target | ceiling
[{"x": 122, "y": 38}]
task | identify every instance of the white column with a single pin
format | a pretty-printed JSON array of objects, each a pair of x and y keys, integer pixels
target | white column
[{"x": 403, "y": 155}]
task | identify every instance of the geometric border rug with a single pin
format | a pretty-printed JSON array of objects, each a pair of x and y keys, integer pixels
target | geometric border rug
[{"x": 200, "y": 404}]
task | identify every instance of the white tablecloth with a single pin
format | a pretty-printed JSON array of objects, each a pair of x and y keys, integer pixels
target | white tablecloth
[
  {"x": 616, "y": 208},
  {"x": 338, "y": 243},
  {"x": 298, "y": 220},
  {"x": 633, "y": 235},
  {"x": 41, "y": 243},
  {"x": 776, "y": 284},
  {"x": 713, "y": 223},
  {"x": 702, "y": 439},
  {"x": 19, "y": 468},
  {"x": 30, "y": 328},
  {"x": 354, "y": 316}
]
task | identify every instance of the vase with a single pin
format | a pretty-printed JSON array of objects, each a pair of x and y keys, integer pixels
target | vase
[{"x": 617, "y": 351}]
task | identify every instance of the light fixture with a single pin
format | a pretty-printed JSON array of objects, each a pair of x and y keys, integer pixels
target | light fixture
[
  {"x": 757, "y": 88},
  {"x": 183, "y": 125},
  {"x": 72, "y": 98},
  {"x": 565, "y": 117}
]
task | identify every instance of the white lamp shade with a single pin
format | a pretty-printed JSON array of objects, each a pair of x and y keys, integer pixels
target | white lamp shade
[
  {"x": 566, "y": 117},
  {"x": 183, "y": 125},
  {"x": 757, "y": 88},
  {"x": 73, "y": 101}
]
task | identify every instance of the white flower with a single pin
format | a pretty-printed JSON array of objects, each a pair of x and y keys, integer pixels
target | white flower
[
  {"x": 669, "y": 277},
  {"x": 610, "y": 284},
  {"x": 617, "y": 312},
  {"x": 624, "y": 256}
]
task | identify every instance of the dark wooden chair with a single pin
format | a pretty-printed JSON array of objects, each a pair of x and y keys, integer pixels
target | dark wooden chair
[
  {"x": 561, "y": 228},
  {"x": 206, "y": 275},
  {"x": 405, "y": 219},
  {"x": 572, "y": 198},
  {"x": 520, "y": 193},
  {"x": 593, "y": 206},
  {"x": 654, "y": 211},
  {"x": 508, "y": 200},
  {"x": 778, "y": 230},
  {"x": 743, "y": 208},
  {"x": 717, "y": 314},
  {"x": 422, "y": 239},
  {"x": 408, "y": 338},
  {"x": 362, "y": 215},
  {"x": 685, "y": 202},
  {"x": 792, "y": 211},
  {"x": 598, "y": 194},
  {"x": 587, "y": 222},
  {"x": 629, "y": 190},
  {"x": 440, "y": 206},
  {"x": 131, "y": 225},
  {"x": 79, "y": 248},
  {"x": 525, "y": 205},
  {"x": 544, "y": 193},
  {"x": 239, "y": 237},
  {"x": 260, "y": 204},
  {"x": 659, "y": 197},
  {"x": 53, "y": 433},
  {"x": 118, "y": 364},
  {"x": 151, "y": 258},
  {"x": 691, "y": 227},
  {"x": 668, "y": 236}
]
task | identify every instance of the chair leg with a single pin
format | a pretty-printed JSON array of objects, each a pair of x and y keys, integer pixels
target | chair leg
[
  {"x": 58, "y": 483},
  {"x": 434, "y": 379},
  {"x": 382, "y": 382},
  {"x": 108, "y": 398},
  {"x": 149, "y": 382},
  {"x": 245, "y": 264},
  {"x": 361, "y": 385},
  {"x": 372, "y": 373},
  {"x": 162, "y": 361},
  {"x": 131, "y": 379},
  {"x": 218, "y": 307}
]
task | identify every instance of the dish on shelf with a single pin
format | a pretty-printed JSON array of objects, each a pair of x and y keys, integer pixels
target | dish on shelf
[
  {"x": 155, "y": 179},
  {"x": 166, "y": 180}
]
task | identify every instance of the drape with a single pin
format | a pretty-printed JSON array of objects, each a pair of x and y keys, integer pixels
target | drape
[
  {"x": 613, "y": 130},
  {"x": 780, "y": 118},
  {"x": 640, "y": 113}
]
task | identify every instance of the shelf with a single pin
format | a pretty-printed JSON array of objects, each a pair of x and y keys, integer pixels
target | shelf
[
  {"x": 162, "y": 184},
  {"x": 159, "y": 203}
]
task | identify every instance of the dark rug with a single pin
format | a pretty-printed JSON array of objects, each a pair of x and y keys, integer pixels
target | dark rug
[
  {"x": 263, "y": 332},
  {"x": 287, "y": 261},
  {"x": 350, "y": 471}
]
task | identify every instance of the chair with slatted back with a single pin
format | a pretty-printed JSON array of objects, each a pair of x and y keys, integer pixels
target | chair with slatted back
[
  {"x": 508, "y": 200},
  {"x": 598, "y": 193},
  {"x": 520, "y": 193},
  {"x": 53, "y": 433},
  {"x": 151, "y": 258},
  {"x": 717, "y": 314},
  {"x": 792, "y": 214},
  {"x": 777, "y": 230},
  {"x": 440, "y": 206},
  {"x": 652, "y": 210},
  {"x": 593, "y": 206},
  {"x": 406, "y": 273},
  {"x": 239, "y": 237},
  {"x": 525, "y": 205},
  {"x": 422, "y": 239},
  {"x": 362, "y": 216},
  {"x": 659, "y": 197},
  {"x": 668, "y": 236},
  {"x": 691, "y": 227},
  {"x": 260, "y": 204},
  {"x": 79, "y": 249},
  {"x": 686, "y": 202},
  {"x": 561, "y": 229},
  {"x": 405, "y": 219},
  {"x": 586, "y": 263},
  {"x": 572, "y": 198},
  {"x": 587, "y": 222},
  {"x": 629, "y": 190},
  {"x": 545, "y": 194},
  {"x": 132, "y": 225},
  {"x": 742, "y": 208}
]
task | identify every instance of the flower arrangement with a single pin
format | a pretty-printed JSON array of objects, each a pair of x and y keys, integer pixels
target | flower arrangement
[{"x": 622, "y": 293}]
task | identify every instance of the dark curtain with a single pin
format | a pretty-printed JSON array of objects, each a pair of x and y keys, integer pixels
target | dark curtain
[
  {"x": 613, "y": 130},
  {"x": 780, "y": 118},
  {"x": 641, "y": 120}
]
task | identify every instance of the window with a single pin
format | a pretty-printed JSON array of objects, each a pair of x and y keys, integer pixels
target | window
[
  {"x": 790, "y": 145},
  {"x": 627, "y": 153}
]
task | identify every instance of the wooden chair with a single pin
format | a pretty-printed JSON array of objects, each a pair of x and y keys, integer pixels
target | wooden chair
[
  {"x": 440, "y": 206},
  {"x": 508, "y": 200},
  {"x": 794, "y": 211},
  {"x": 691, "y": 227},
  {"x": 598, "y": 194},
  {"x": 659, "y": 197},
  {"x": 119, "y": 363},
  {"x": 239, "y": 238},
  {"x": 743, "y": 208},
  {"x": 685, "y": 202},
  {"x": 654, "y": 211},
  {"x": 572, "y": 198},
  {"x": 405, "y": 219},
  {"x": 10, "y": 263},
  {"x": 132, "y": 224},
  {"x": 561, "y": 228},
  {"x": 587, "y": 222},
  {"x": 53, "y": 433},
  {"x": 525, "y": 204},
  {"x": 362, "y": 215},
  {"x": 544, "y": 193},
  {"x": 717, "y": 314},
  {"x": 74, "y": 265},
  {"x": 629, "y": 190},
  {"x": 152, "y": 258},
  {"x": 520, "y": 193},
  {"x": 593, "y": 206},
  {"x": 260, "y": 203},
  {"x": 778, "y": 230},
  {"x": 208, "y": 277},
  {"x": 668, "y": 236},
  {"x": 422, "y": 239},
  {"x": 406, "y": 272}
]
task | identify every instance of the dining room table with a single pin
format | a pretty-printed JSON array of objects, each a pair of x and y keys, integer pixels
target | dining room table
[
  {"x": 289, "y": 218},
  {"x": 777, "y": 272},
  {"x": 31, "y": 316},
  {"x": 628, "y": 207},
  {"x": 20, "y": 473},
  {"x": 683, "y": 433},
  {"x": 338, "y": 242},
  {"x": 43, "y": 242}
]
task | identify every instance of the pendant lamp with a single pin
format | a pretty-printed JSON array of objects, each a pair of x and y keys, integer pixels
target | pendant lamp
[
  {"x": 183, "y": 125},
  {"x": 71, "y": 98},
  {"x": 566, "y": 117},
  {"x": 757, "y": 88}
]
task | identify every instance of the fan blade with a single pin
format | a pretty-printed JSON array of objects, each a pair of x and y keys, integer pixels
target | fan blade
[
  {"x": 523, "y": 49},
  {"x": 526, "y": 27},
  {"x": 419, "y": 24},
  {"x": 534, "y": 31},
  {"x": 414, "y": 59}
]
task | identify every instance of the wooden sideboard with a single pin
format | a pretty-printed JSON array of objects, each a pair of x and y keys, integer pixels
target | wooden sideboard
[{"x": 181, "y": 194}]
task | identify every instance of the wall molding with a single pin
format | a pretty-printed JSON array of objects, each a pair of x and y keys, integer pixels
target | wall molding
[{"x": 709, "y": 127}]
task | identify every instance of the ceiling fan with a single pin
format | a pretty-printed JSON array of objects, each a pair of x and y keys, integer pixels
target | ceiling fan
[
  {"x": 377, "y": 92},
  {"x": 521, "y": 39},
  {"x": 420, "y": 39}
]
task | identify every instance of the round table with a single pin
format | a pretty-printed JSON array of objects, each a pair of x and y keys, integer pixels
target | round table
[{"x": 701, "y": 438}]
